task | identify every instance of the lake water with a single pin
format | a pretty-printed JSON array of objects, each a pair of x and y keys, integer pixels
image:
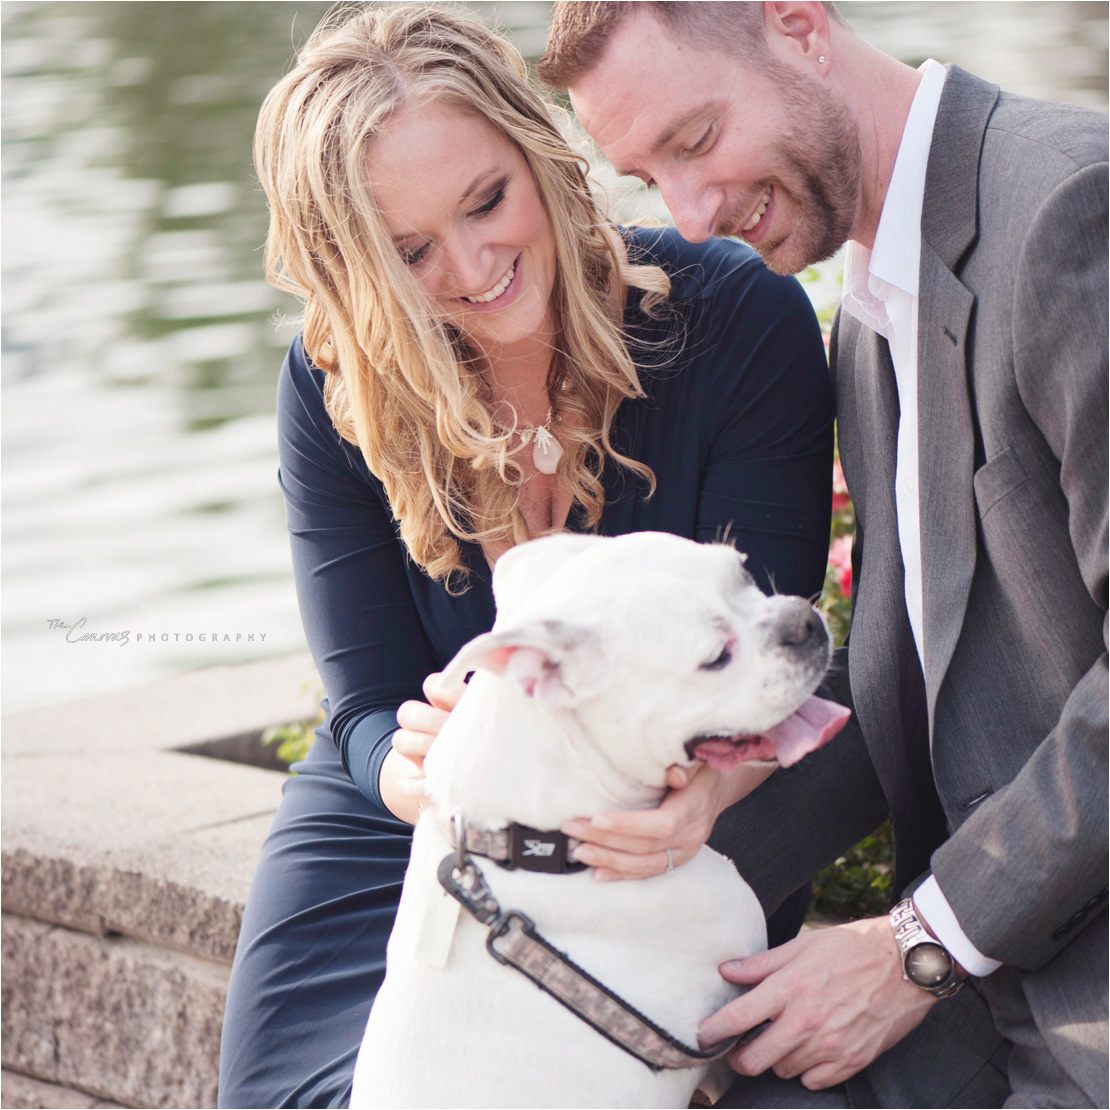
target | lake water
[{"x": 139, "y": 342}]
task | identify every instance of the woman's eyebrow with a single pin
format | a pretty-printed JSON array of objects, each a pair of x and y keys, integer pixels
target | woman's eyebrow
[
  {"x": 473, "y": 187},
  {"x": 469, "y": 192}
]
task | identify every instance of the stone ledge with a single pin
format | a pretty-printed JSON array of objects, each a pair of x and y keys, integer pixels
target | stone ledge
[
  {"x": 108, "y": 828},
  {"x": 21, "y": 1092},
  {"x": 126, "y": 864},
  {"x": 117, "y": 1018}
]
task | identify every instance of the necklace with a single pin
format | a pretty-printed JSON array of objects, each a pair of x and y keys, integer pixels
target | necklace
[{"x": 546, "y": 450}]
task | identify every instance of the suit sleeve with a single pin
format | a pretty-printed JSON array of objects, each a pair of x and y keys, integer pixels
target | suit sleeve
[
  {"x": 356, "y": 604},
  {"x": 1045, "y": 834}
]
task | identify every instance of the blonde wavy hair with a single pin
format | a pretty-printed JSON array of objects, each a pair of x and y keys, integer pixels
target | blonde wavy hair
[{"x": 402, "y": 384}]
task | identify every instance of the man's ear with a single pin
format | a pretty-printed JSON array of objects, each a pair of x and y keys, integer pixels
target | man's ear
[
  {"x": 522, "y": 568},
  {"x": 556, "y": 663},
  {"x": 799, "y": 26}
]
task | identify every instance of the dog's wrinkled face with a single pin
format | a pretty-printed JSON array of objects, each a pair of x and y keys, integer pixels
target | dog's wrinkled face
[{"x": 665, "y": 650}]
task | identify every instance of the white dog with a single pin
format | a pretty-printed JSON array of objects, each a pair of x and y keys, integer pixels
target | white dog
[{"x": 611, "y": 660}]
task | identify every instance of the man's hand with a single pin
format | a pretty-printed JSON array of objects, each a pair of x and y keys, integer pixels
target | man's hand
[
  {"x": 836, "y": 1000},
  {"x": 632, "y": 844}
]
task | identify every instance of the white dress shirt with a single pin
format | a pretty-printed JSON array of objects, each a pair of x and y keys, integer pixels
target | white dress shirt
[{"x": 881, "y": 291}]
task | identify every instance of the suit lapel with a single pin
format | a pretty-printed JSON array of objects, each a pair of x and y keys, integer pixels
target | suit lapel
[
  {"x": 946, "y": 466},
  {"x": 946, "y": 446},
  {"x": 887, "y": 688}
]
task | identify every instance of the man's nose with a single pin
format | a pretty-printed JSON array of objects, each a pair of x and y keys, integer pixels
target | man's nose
[{"x": 693, "y": 208}]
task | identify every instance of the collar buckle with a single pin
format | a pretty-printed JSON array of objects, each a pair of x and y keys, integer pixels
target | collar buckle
[{"x": 543, "y": 850}]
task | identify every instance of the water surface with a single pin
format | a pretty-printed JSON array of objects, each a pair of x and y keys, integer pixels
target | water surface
[{"x": 141, "y": 345}]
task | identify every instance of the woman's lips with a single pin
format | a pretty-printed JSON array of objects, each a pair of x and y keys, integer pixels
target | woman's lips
[{"x": 498, "y": 294}]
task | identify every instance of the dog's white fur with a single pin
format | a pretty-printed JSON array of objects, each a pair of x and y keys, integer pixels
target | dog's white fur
[{"x": 587, "y": 689}]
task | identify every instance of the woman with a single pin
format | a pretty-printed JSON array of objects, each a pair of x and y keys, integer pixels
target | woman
[{"x": 484, "y": 359}]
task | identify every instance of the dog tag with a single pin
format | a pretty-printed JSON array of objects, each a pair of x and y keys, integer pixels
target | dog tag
[{"x": 437, "y": 930}]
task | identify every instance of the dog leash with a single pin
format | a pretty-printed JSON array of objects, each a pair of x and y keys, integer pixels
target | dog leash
[{"x": 514, "y": 941}]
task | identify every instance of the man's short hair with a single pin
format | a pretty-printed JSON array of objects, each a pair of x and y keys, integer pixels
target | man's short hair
[{"x": 580, "y": 30}]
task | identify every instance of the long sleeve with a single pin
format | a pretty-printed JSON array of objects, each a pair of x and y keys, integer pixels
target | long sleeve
[{"x": 356, "y": 604}]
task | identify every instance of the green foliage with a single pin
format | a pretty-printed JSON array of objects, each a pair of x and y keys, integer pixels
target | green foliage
[
  {"x": 858, "y": 884},
  {"x": 293, "y": 740}
]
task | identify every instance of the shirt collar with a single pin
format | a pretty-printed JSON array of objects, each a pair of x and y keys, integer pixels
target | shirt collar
[{"x": 896, "y": 256}]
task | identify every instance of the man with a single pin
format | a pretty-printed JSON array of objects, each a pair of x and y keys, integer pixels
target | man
[{"x": 970, "y": 361}]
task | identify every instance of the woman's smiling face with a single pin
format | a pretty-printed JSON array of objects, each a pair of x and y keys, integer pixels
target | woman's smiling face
[{"x": 461, "y": 204}]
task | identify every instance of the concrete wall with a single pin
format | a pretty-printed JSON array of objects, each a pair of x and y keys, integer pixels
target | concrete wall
[{"x": 126, "y": 863}]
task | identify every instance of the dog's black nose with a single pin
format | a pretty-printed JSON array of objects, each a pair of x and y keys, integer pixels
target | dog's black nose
[{"x": 800, "y": 627}]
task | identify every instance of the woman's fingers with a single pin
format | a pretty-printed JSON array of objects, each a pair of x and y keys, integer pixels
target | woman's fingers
[
  {"x": 609, "y": 865},
  {"x": 417, "y": 716},
  {"x": 419, "y": 725},
  {"x": 441, "y": 696},
  {"x": 683, "y": 819},
  {"x": 420, "y": 722}
]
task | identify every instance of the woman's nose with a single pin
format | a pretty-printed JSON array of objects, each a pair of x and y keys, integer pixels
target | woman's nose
[{"x": 464, "y": 267}]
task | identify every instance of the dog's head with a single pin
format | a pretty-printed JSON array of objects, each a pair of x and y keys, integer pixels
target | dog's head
[{"x": 665, "y": 650}]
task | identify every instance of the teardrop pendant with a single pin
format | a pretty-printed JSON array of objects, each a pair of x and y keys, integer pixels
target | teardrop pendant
[{"x": 546, "y": 450}]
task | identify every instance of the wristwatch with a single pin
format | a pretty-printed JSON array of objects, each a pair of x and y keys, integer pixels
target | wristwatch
[{"x": 925, "y": 961}]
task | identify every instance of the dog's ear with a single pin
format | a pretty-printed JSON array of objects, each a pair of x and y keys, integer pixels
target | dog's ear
[
  {"x": 521, "y": 569},
  {"x": 556, "y": 663}
]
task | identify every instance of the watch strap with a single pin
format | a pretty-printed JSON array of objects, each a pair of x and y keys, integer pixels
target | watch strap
[{"x": 909, "y": 933}]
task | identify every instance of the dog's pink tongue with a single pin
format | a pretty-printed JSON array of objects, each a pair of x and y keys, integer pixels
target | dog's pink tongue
[
  {"x": 814, "y": 724},
  {"x": 724, "y": 754}
]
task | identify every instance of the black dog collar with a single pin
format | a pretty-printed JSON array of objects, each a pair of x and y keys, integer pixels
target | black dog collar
[{"x": 520, "y": 847}]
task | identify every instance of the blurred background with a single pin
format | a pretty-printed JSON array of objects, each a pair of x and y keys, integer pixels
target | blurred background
[{"x": 141, "y": 345}]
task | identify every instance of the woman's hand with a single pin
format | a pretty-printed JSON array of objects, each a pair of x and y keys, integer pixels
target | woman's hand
[
  {"x": 401, "y": 781},
  {"x": 635, "y": 844}
]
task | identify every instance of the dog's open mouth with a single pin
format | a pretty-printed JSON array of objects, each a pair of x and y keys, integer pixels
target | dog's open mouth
[{"x": 809, "y": 727}]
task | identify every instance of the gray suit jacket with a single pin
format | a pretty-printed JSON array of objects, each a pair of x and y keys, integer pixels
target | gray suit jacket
[
  {"x": 993, "y": 762},
  {"x": 1012, "y": 350}
]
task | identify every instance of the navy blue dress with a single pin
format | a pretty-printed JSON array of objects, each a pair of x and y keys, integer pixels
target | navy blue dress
[{"x": 737, "y": 425}]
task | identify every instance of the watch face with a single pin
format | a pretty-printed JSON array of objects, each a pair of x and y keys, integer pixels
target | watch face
[{"x": 928, "y": 965}]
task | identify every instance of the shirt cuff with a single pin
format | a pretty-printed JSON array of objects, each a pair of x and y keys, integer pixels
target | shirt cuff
[{"x": 934, "y": 909}]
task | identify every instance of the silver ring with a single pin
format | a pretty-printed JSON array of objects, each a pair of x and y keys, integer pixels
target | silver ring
[{"x": 670, "y": 862}]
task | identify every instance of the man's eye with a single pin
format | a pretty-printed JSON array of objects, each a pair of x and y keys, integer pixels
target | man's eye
[
  {"x": 703, "y": 141},
  {"x": 720, "y": 662}
]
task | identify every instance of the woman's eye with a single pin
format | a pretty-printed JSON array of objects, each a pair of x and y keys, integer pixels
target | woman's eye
[
  {"x": 720, "y": 662},
  {"x": 412, "y": 257},
  {"x": 492, "y": 204}
]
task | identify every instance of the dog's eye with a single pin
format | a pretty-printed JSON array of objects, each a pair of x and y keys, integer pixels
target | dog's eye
[{"x": 720, "y": 662}]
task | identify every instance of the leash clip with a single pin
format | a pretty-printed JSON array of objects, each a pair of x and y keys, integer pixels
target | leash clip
[{"x": 466, "y": 885}]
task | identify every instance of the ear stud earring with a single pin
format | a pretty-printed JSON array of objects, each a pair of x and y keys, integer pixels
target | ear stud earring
[{"x": 821, "y": 59}]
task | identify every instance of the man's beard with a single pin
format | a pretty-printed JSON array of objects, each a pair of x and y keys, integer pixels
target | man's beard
[{"x": 822, "y": 176}]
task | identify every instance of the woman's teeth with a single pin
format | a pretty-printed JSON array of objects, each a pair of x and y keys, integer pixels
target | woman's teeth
[
  {"x": 757, "y": 215},
  {"x": 496, "y": 291}
]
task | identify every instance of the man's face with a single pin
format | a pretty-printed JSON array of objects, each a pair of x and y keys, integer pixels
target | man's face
[{"x": 773, "y": 159}]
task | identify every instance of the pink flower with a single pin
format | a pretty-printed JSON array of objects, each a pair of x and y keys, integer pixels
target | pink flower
[
  {"x": 840, "y": 559},
  {"x": 840, "y": 498}
]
